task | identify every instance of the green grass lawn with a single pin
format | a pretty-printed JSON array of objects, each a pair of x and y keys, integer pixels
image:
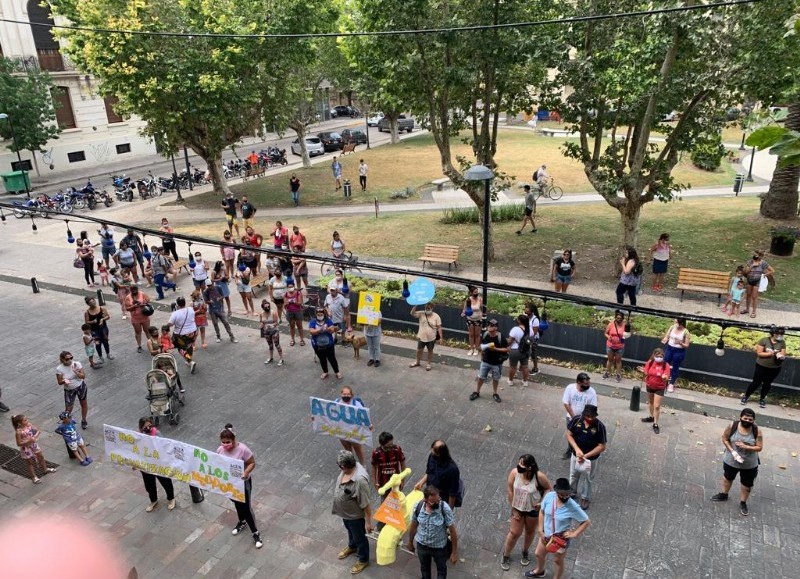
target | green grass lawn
[{"x": 415, "y": 162}]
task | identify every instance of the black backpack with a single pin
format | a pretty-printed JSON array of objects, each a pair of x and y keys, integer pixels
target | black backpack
[
  {"x": 735, "y": 425},
  {"x": 536, "y": 175},
  {"x": 525, "y": 344},
  {"x": 638, "y": 269}
]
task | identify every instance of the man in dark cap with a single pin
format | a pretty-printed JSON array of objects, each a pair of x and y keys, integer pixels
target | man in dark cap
[{"x": 587, "y": 439}]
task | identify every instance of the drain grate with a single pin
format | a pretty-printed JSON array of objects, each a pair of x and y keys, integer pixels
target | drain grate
[{"x": 11, "y": 461}]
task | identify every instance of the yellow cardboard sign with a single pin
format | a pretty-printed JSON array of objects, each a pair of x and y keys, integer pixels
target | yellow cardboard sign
[
  {"x": 369, "y": 308},
  {"x": 391, "y": 513}
]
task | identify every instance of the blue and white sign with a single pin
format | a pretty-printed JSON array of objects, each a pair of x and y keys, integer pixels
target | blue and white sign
[
  {"x": 422, "y": 292},
  {"x": 340, "y": 420}
]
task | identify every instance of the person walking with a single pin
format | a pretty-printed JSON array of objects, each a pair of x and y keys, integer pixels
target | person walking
[
  {"x": 677, "y": 340},
  {"x": 387, "y": 460},
  {"x": 232, "y": 448},
  {"x": 742, "y": 441},
  {"x": 373, "y": 333},
  {"x": 137, "y": 305},
  {"x": 248, "y": 212},
  {"x": 562, "y": 271},
  {"x": 27, "y": 436},
  {"x": 71, "y": 376},
  {"x": 755, "y": 268},
  {"x": 576, "y": 396},
  {"x": 615, "y": 345},
  {"x": 351, "y": 502},
  {"x": 229, "y": 207},
  {"x": 149, "y": 480},
  {"x": 428, "y": 332},
  {"x": 656, "y": 376},
  {"x": 184, "y": 331},
  {"x": 336, "y": 169},
  {"x": 294, "y": 189},
  {"x": 473, "y": 305},
  {"x": 530, "y": 210},
  {"x": 362, "y": 174},
  {"x": 630, "y": 276},
  {"x": 526, "y": 487},
  {"x": 442, "y": 472},
  {"x": 432, "y": 524},
  {"x": 161, "y": 265},
  {"x": 322, "y": 331},
  {"x": 587, "y": 438},
  {"x": 770, "y": 354},
  {"x": 560, "y": 514},
  {"x": 216, "y": 310},
  {"x": 495, "y": 352},
  {"x": 660, "y": 253},
  {"x": 97, "y": 317},
  {"x": 519, "y": 341}
]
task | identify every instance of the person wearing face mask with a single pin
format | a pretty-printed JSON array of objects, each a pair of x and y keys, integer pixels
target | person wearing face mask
[
  {"x": 232, "y": 448},
  {"x": 656, "y": 375},
  {"x": 347, "y": 397},
  {"x": 526, "y": 487},
  {"x": 322, "y": 331},
  {"x": 441, "y": 472},
  {"x": 576, "y": 396},
  {"x": 743, "y": 442},
  {"x": 495, "y": 351},
  {"x": 337, "y": 281},
  {"x": 146, "y": 427},
  {"x": 615, "y": 345},
  {"x": 755, "y": 268},
  {"x": 387, "y": 460},
  {"x": 199, "y": 272},
  {"x": 432, "y": 523},
  {"x": 277, "y": 290},
  {"x": 770, "y": 354},
  {"x": 587, "y": 439},
  {"x": 268, "y": 324},
  {"x": 338, "y": 308},
  {"x": 430, "y": 330},
  {"x": 677, "y": 340},
  {"x": 351, "y": 497},
  {"x": 228, "y": 253}
]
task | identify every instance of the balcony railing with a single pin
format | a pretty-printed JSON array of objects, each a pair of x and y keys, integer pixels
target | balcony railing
[{"x": 50, "y": 60}]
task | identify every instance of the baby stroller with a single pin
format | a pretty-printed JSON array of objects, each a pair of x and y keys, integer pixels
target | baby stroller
[{"x": 163, "y": 393}]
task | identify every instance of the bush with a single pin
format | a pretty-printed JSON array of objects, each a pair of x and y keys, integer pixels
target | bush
[
  {"x": 500, "y": 213},
  {"x": 708, "y": 152}
]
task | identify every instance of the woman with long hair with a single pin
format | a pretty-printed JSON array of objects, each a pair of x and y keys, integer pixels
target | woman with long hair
[
  {"x": 629, "y": 276},
  {"x": 231, "y": 448},
  {"x": 472, "y": 311}
]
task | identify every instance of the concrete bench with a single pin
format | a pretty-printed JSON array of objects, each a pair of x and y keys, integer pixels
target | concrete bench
[
  {"x": 703, "y": 281},
  {"x": 436, "y": 253},
  {"x": 555, "y": 132},
  {"x": 440, "y": 183},
  {"x": 349, "y": 148}
]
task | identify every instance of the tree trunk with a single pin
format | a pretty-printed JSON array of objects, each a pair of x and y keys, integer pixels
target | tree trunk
[
  {"x": 395, "y": 135},
  {"x": 217, "y": 177},
  {"x": 300, "y": 131},
  {"x": 780, "y": 202},
  {"x": 630, "y": 212}
]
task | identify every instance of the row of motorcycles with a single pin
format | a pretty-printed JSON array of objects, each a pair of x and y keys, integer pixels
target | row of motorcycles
[
  {"x": 63, "y": 202},
  {"x": 266, "y": 158}
]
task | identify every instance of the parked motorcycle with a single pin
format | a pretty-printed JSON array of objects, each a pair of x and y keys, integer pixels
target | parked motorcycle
[
  {"x": 123, "y": 187},
  {"x": 25, "y": 208}
]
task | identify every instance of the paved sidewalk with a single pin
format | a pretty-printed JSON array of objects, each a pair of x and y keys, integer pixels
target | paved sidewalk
[{"x": 651, "y": 515}]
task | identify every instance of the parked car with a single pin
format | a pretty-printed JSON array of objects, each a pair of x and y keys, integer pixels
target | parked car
[
  {"x": 354, "y": 136},
  {"x": 347, "y": 111},
  {"x": 333, "y": 113},
  {"x": 331, "y": 141},
  {"x": 313, "y": 146},
  {"x": 374, "y": 119},
  {"x": 403, "y": 124}
]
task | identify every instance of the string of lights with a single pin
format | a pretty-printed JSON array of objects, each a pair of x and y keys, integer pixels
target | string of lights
[
  {"x": 423, "y": 31},
  {"x": 542, "y": 294}
]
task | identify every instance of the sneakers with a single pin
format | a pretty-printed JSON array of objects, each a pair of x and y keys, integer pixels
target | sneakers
[
  {"x": 359, "y": 567},
  {"x": 151, "y": 507},
  {"x": 648, "y": 419},
  {"x": 219, "y": 339},
  {"x": 671, "y": 388},
  {"x": 510, "y": 382},
  {"x": 192, "y": 366},
  {"x": 505, "y": 563},
  {"x": 234, "y": 340},
  {"x": 656, "y": 429},
  {"x": 605, "y": 375},
  {"x": 743, "y": 509},
  {"x": 109, "y": 356},
  {"x": 371, "y": 363},
  {"x": 171, "y": 504},
  {"x": 377, "y": 363},
  {"x": 268, "y": 361},
  {"x": 85, "y": 463},
  {"x": 619, "y": 377},
  {"x": 238, "y": 528},
  {"x": 762, "y": 403},
  {"x": 346, "y": 552},
  {"x": 720, "y": 497},
  {"x": 525, "y": 383},
  {"x": 3, "y": 407},
  {"x": 519, "y": 232},
  {"x": 280, "y": 362},
  {"x": 84, "y": 424},
  {"x": 257, "y": 540},
  {"x": 744, "y": 400},
  {"x": 496, "y": 397},
  {"x": 89, "y": 459},
  {"x": 534, "y": 372},
  {"x": 525, "y": 561}
]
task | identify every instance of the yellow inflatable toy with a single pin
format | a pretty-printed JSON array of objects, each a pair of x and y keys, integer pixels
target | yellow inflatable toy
[{"x": 396, "y": 512}]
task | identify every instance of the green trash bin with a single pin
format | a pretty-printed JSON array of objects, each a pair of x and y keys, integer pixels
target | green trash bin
[{"x": 16, "y": 181}]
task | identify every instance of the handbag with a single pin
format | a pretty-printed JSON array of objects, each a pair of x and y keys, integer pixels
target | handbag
[
  {"x": 556, "y": 542},
  {"x": 147, "y": 309},
  {"x": 77, "y": 263}
]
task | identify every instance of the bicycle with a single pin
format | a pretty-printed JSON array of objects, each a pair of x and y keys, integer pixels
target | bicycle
[
  {"x": 348, "y": 263},
  {"x": 549, "y": 190}
]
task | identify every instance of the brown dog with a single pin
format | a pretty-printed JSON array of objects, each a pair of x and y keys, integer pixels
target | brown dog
[{"x": 357, "y": 342}]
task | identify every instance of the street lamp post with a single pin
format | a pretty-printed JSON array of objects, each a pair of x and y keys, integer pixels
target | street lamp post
[
  {"x": 188, "y": 167},
  {"x": 19, "y": 158},
  {"x": 485, "y": 174},
  {"x": 750, "y": 171}
]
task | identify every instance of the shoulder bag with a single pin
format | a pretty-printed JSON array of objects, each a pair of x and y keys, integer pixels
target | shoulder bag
[{"x": 556, "y": 542}]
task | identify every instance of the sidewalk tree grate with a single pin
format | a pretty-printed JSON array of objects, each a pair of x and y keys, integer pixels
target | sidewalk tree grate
[{"x": 12, "y": 461}]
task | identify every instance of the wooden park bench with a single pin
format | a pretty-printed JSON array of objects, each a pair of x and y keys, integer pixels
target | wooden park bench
[
  {"x": 255, "y": 172},
  {"x": 349, "y": 148},
  {"x": 180, "y": 264},
  {"x": 440, "y": 183},
  {"x": 705, "y": 281},
  {"x": 555, "y": 132},
  {"x": 436, "y": 253},
  {"x": 259, "y": 280}
]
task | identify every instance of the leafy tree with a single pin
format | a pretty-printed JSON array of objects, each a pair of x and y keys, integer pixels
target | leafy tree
[
  {"x": 622, "y": 78},
  {"x": 26, "y": 99},
  {"x": 772, "y": 56}
]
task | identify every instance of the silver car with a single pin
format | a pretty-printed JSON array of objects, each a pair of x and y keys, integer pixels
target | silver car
[{"x": 313, "y": 146}]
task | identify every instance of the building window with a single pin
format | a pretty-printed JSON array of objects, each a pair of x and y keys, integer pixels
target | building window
[
  {"x": 111, "y": 114},
  {"x": 47, "y": 48},
  {"x": 76, "y": 156},
  {"x": 123, "y": 148},
  {"x": 63, "y": 104}
]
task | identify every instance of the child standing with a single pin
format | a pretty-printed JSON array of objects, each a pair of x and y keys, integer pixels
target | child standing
[
  {"x": 737, "y": 294},
  {"x": 737, "y": 277},
  {"x": 102, "y": 268},
  {"x": 73, "y": 438},
  {"x": 27, "y": 435},
  {"x": 88, "y": 345}
]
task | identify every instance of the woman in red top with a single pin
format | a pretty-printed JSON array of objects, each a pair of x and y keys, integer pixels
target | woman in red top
[
  {"x": 656, "y": 376},
  {"x": 139, "y": 321},
  {"x": 280, "y": 236},
  {"x": 615, "y": 345}
]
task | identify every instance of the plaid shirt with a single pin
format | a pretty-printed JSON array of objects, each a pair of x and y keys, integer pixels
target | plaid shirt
[
  {"x": 388, "y": 462},
  {"x": 432, "y": 527}
]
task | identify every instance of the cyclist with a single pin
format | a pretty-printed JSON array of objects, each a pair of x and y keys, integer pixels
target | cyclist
[{"x": 540, "y": 178}]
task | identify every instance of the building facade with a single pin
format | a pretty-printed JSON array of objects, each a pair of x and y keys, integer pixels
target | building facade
[{"x": 93, "y": 134}]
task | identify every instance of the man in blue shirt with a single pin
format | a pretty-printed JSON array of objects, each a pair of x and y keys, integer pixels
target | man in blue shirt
[{"x": 431, "y": 523}]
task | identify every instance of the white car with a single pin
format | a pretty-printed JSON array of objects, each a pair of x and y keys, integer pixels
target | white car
[
  {"x": 313, "y": 146},
  {"x": 374, "y": 119}
]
